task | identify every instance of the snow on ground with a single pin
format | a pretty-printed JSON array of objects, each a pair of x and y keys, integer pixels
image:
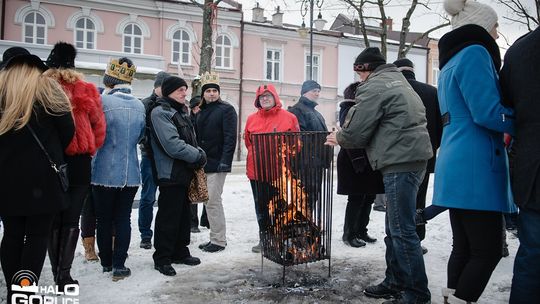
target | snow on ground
[{"x": 234, "y": 275}]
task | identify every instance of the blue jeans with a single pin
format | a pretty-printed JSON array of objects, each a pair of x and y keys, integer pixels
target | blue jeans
[
  {"x": 113, "y": 209},
  {"x": 405, "y": 270},
  {"x": 148, "y": 197},
  {"x": 526, "y": 280}
]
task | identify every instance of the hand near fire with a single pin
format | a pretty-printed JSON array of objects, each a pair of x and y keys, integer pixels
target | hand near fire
[{"x": 331, "y": 139}]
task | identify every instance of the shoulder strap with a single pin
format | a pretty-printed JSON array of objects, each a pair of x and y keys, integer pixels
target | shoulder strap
[{"x": 53, "y": 165}]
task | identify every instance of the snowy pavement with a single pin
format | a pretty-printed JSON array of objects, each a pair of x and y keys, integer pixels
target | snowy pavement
[{"x": 234, "y": 275}]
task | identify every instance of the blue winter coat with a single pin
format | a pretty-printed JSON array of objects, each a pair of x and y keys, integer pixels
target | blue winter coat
[
  {"x": 116, "y": 163},
  {"x": 472, "y": 165}
]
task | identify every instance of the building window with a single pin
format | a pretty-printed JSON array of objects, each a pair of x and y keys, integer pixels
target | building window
[
  {"x": 315, "y": 68},
  {"x": 35, "y": 28},
  {"x": 85, "y": 34},
  {"x": 273, "y": 64},
  {"x": 435, "y": 72},
  {"x": 223, "y": 52},
  {"x": 133, "y": 39},
  {"x": 181, "y": 47}
]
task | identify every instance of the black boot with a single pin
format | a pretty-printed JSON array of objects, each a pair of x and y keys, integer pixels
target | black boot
[
  {"x": 53, "y": 247},
  {"x": 68, "y": 244}
]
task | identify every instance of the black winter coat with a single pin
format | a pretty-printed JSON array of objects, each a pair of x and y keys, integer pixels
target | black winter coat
[
  {"x": 217, "y": 125},
  {"x": 28, "y": 184},
  {"x": 520, "y": 87},
  {"x": 143, "y": 144},
  {"x": 309, "y": 119},
  {"x": 428, "y": 94},
  {"x": 355, "y": 175}
]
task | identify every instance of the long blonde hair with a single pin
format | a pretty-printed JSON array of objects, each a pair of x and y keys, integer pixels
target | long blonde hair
[{"x": 22, "y": 86}]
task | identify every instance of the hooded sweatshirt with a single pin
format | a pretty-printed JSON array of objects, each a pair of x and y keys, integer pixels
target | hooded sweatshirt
[{"x": 275, "y": 119}]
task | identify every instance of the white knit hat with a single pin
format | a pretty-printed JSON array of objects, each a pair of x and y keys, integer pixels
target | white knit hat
[{"x": 465, "y": 12}]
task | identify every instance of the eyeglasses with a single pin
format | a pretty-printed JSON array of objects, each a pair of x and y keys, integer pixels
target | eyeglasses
[{"x": 267, "y": 96}]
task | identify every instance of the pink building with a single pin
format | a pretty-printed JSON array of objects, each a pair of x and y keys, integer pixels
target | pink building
[{"x": 166, "y": 35}]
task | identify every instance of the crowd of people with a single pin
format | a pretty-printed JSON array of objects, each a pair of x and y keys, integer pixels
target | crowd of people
[{"x": 395, "y": 131}]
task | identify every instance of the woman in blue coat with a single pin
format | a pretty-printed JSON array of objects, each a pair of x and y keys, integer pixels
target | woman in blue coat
[{"x": 471, "y": 174}]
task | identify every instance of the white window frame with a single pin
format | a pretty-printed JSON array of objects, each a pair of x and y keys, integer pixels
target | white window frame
[
  {"x": 86, "y": 32},
  {"x": 181, "y": 50},
  {"x": 220, "y": 51},
  {"x": 317, "y": 75},
  {"x": 35, "y": 27},
  {"x": 280, "y": 62},
  {"x": 132, "y": 36}
]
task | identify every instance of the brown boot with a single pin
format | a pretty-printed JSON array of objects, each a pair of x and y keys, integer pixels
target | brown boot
[{"x": 89, "y": 249}]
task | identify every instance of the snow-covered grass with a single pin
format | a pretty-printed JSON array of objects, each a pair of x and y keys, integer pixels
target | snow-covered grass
[{"x": 234, "y": 275}]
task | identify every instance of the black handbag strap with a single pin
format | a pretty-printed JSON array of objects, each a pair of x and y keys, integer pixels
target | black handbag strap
[{"x": 53, "y": 164}]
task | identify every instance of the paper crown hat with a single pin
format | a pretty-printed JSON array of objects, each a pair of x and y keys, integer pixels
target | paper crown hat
[
  {"x": 120, "y": 71},
  {"x": 210, "y": 78}
]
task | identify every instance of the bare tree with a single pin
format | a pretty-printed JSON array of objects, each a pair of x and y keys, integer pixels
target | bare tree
[
  {"x": 207, "y": 49},
  {"x": 361, "y": 6},
  {"x": 520, "y": 13}
]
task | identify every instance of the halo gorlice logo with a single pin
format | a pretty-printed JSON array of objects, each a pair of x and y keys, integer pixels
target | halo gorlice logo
[{"x": 26, "y": 291}]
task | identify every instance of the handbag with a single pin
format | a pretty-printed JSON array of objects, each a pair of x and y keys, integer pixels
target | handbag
[
  {"x": 61, "y": 170},
  {"x": 198, "y": 189}
]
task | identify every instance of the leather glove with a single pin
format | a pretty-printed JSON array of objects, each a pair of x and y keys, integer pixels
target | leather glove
[
  {"x": 223, "y": 168},
  {"x": 201, "y": 162}
]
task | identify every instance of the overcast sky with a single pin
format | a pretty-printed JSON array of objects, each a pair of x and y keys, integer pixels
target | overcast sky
[{"x": 422, "y": 20}]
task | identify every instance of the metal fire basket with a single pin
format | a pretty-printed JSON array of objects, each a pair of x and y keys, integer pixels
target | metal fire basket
[{"x": 294, "y": 180}]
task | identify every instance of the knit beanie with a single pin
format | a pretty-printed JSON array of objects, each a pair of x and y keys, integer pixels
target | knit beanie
[
  {"x": 171, "y": 84},
  {"x": 62, "y": 56},
  {"x": 12, "y": 52},
  {"x": 369, "y": 59},
  {"x": 404, "y": 64},
  {"x": 195, "y": 101},
  {"x": 119, "y": 71},
  {"x": 465, "y": 12},
  {"x": 309, "y": 85},
  {"x": 159, "y": 78}
]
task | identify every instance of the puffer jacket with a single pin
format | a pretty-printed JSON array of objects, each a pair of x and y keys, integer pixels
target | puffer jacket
[
  {"x": 276, "y": 119},
  {"x": 173, "y": 143},
  {"x": 389, "y": 121}
]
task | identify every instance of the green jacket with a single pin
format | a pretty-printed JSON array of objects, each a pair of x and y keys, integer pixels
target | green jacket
[{"x": 389, "y": 121}]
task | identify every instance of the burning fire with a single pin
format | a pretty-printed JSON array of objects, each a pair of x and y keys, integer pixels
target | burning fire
[{"x": 291, "y": 215}]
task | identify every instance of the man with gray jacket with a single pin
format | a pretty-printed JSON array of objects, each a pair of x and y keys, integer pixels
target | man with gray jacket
[
  {"x": 175, "y": 155},
  {"x": 389, "y": 121}
]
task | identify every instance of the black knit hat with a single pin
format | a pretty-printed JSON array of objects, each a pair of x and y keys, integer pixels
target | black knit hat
[
  {"x": 211, "y": 86},
  {"x": 171, "y": 84},
  {"x": 12, "y": 52},
  {"x": 404, "y": 62},
  {"x": 62, "y": 56},
  {"x": 369, "y": 59},
  {"x": 159, "y": 78},
  {"x": 195, "y": 101}
]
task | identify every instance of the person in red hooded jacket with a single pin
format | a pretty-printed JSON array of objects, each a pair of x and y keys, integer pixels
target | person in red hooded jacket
[{"x": 270, "y": 117}]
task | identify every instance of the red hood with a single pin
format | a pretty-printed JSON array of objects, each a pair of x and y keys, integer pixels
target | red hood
[{"x": 264, "y": 88}]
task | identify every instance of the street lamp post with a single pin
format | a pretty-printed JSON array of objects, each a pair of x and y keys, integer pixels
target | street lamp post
[{"x": 319, "y": 25}]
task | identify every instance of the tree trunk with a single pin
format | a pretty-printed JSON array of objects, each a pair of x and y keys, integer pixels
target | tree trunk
[
  {"x": 384, "y": 27},
  {"x": 207, "y": 50}
]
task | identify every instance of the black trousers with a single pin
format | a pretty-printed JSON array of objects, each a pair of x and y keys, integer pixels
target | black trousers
[
  {"x": 69, "y": 218},
  {"x": 24, "y": 244},
  {"x": 88, "y": 217},
  {"x": 476, "y": 251},
  {"x": 263, "y": 192},
  {"x": 357, "y": 215},
  {"x": 421, "y": 204},
  {"x": 194, "y": 216},
  {"x": 172, "y": 225}
]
